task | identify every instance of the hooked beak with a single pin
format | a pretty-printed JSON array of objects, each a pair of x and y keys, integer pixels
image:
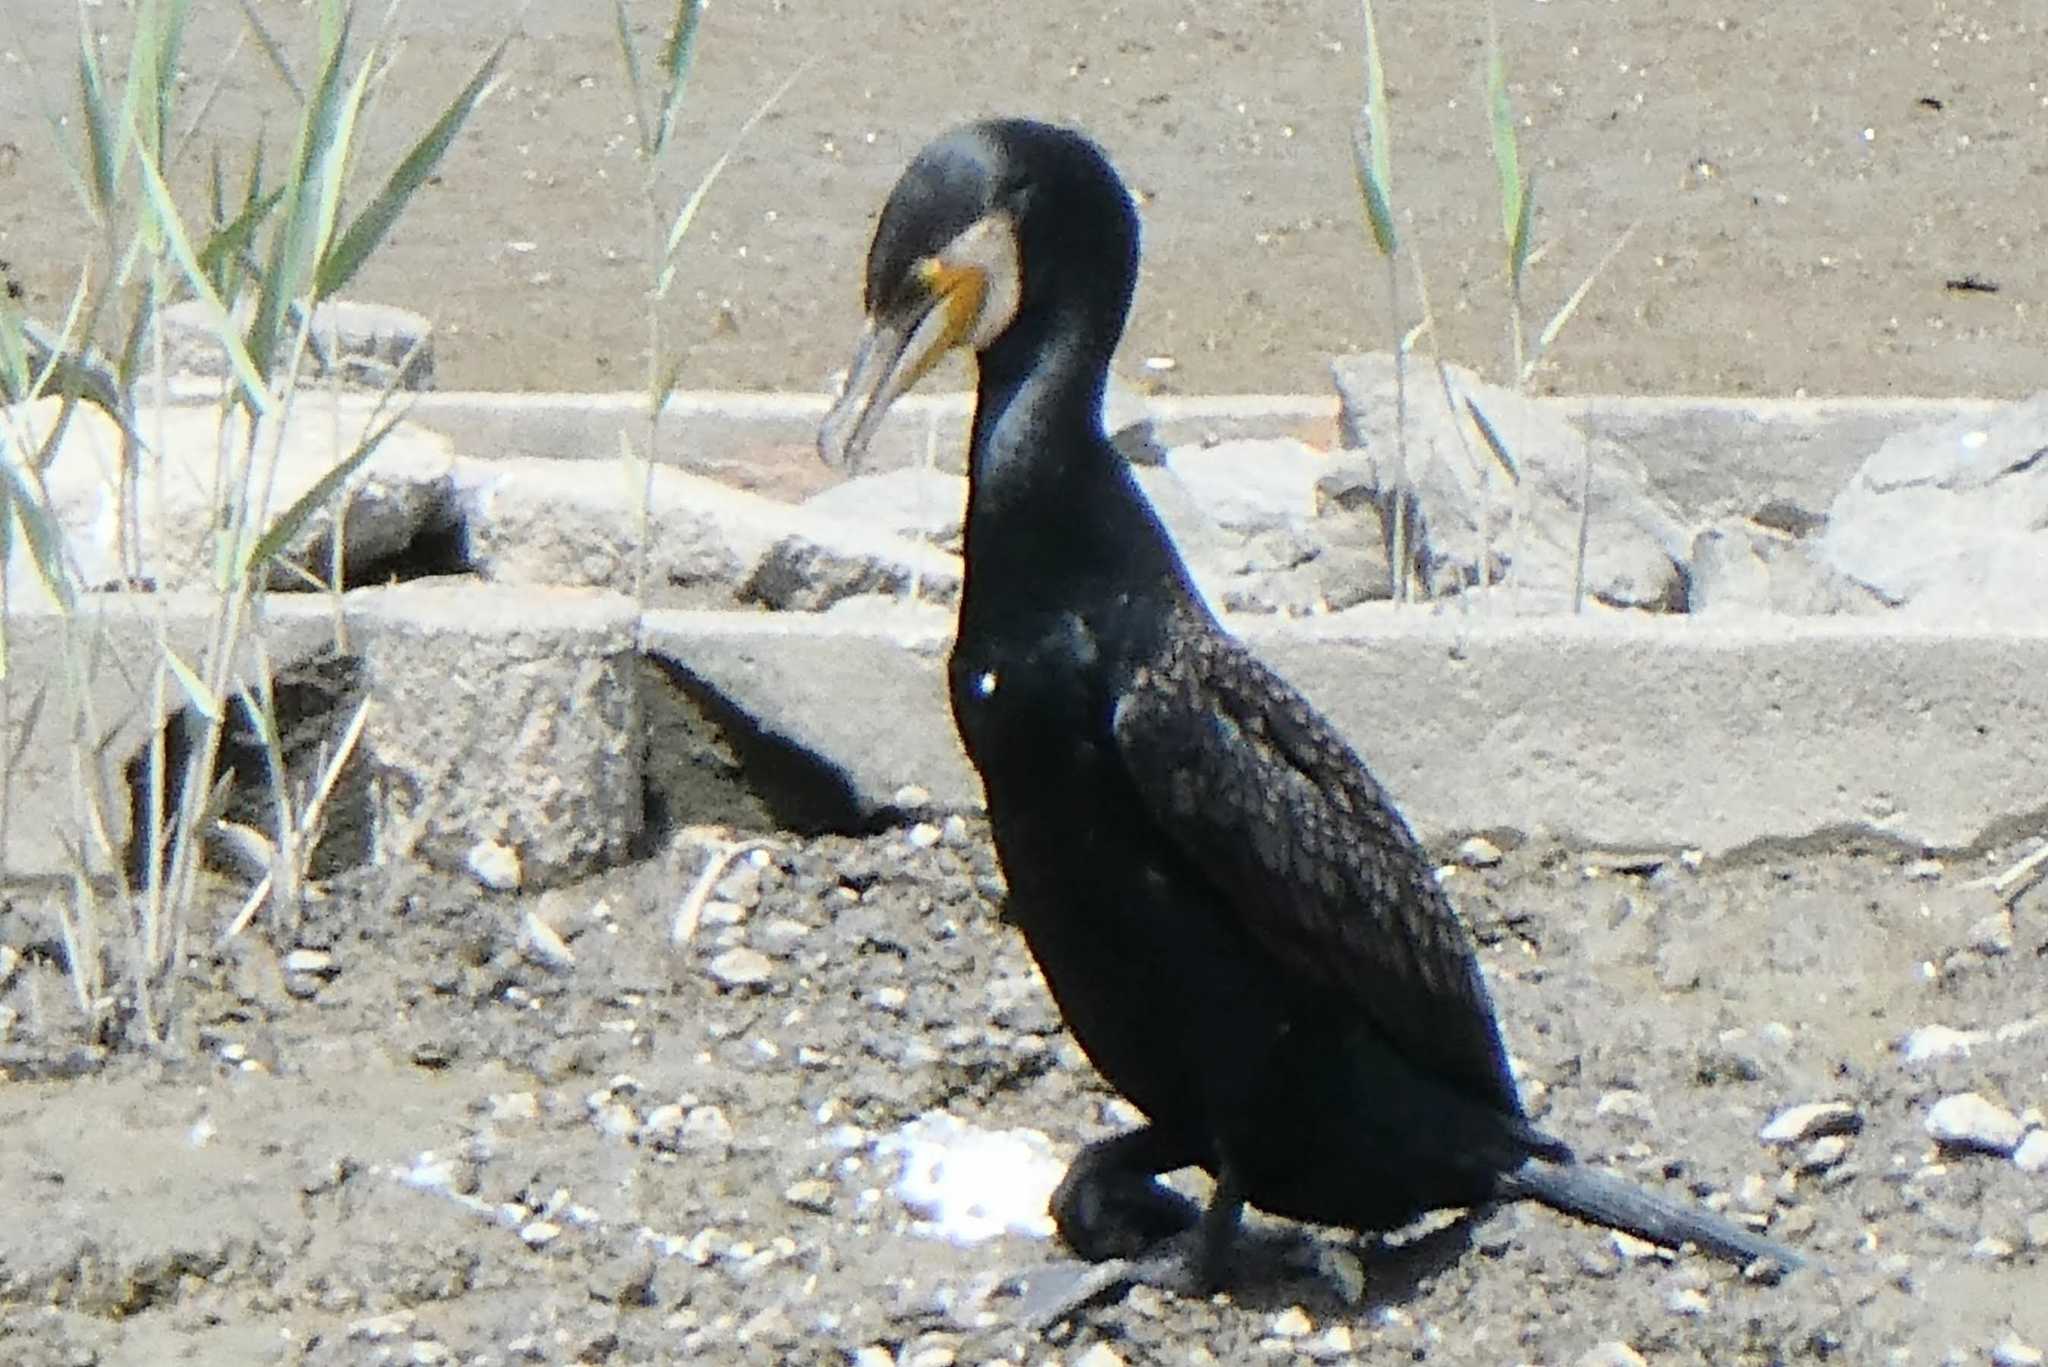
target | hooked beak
[{"x": 897, "y": 351}]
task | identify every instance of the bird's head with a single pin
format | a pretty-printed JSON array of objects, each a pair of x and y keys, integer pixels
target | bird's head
[{"x": 998, "y": 236}]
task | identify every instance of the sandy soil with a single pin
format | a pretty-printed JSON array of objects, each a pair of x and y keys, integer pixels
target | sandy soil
[
  {"x": 1808, "y": 178},
  {"x": 451, "y": 1151}
]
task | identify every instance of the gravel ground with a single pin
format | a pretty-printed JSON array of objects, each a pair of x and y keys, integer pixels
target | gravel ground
[{"x": 457, "y": 1139}]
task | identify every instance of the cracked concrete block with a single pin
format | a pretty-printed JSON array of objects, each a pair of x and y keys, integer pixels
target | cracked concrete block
[{"x": 501, "y": 720}]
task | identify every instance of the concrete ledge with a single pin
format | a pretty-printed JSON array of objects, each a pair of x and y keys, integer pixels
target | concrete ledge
[{"x": 1618, "y": 731}]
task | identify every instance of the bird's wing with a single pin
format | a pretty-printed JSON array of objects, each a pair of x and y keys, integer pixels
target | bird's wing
[{"x": 1299, "y": 840}]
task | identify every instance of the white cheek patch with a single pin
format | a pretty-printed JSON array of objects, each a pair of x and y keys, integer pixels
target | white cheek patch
[
  {"x": 989, "y": 247},
  {"x": 985, "y": 684}
]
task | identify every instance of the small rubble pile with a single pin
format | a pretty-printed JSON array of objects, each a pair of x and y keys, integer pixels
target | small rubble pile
[{"x": 1500, "y": 489}]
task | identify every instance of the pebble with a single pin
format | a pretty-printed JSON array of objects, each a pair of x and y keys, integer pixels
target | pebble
[
  {"x": 2014, "y": 1351},
  {"x": 1814, "y": 1120},
  {"x": 506, "y": 1107},
  {"x": 1992, "y": 934},
  {"x": 1100, "y": 1355},
  {"x": 1824, "y": 1153},
  {"x": 430, "y": 1353},
  {"x": 2032, "y": 1153},
  {"x": 313, "y": 962},
  {"x": 1924, "y": 870},
  {"x": 923, "y": 836},
  {"x": 812, "y": 1194},
  {"x": 624, "y": 1278},
  {"x": 495, "y": 865},
  {"x": 873, "y": 1355},
  {"x": 1932, "y": 1042},
  {"x": 10, "y": 959},
  {"x": 1292, "y": 1323},
  {"x": 374, "y": 1328},
  {"x": 1612, "y": 1353},
  {"x": 1686, "y": 1300},
  {"x": 1968, "y": 1121},
  {"x": 1477, "y": 852},
  {"x": 540, "y": 1233},
  {"x": 1991, "y": 1249},
  {"x": 742, "y": 968},
  {"x": 1625, "y": 1103},
  {"x": 541, "y": 946},
  {"x": 1332, "y": 1345}
]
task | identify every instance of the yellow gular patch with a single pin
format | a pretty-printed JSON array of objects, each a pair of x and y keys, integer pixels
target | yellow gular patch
[{"x": 961, "y": 290}]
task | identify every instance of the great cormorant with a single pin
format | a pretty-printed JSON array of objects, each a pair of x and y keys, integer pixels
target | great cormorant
[{"x": 1237, "y": 924}]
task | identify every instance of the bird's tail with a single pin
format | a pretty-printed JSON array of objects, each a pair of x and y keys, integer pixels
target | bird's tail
[{"x": 1591, "y": 1195}]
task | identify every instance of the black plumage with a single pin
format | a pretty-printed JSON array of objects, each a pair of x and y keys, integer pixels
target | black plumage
[{"x": 1237, "y": 924}]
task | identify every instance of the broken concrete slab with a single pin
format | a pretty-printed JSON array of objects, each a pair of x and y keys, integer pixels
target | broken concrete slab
[
  {"x": 539, "y": 522},
  {"x": 1526, "y": 530},
  {"x": 863, "y": 690},
  {"x": 505, "y": 729},
  {"x": 1739, "y": 565},
  {"x": 1951, "y": 518},
  {"x": 163, "y": 530}
]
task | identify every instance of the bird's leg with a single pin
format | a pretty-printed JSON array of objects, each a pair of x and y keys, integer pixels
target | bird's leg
[
  {"x": 1109, "y": 1205},
  {"x": 1192, "y": 1256},
  {"x": 1219, "y": 1231}
]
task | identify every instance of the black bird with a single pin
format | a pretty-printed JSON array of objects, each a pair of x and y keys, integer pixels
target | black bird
[{"x": 1237, "y": 925}]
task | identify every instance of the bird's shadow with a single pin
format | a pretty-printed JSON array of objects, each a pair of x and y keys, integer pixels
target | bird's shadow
[{"x": 1273, "y": 1267}]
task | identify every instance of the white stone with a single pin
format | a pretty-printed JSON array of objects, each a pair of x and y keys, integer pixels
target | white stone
[
  {"x": 742, "y": 967},
  {"x": 1968, "y": 1121},
  {"x": 1796, "y": 1124},
  {"x": 2032, "y": 1153}
]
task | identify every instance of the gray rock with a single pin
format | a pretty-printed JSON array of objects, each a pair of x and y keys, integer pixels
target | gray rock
[
  {"x": 362, "y": 345},
  {"x": 1951, "y": 518},
  {"x": 1127, "y": 417},
  {"x": 1741, "y": 565},
  {"x": 165, "y": 532},
  {"x": 1312, "y": 564},
  {"x": 1252, "y": 486},
  {"x": 911, "y": 502},
  {"x": 1968, "y": 1121},
  {"x": 1636, "y": 546}
]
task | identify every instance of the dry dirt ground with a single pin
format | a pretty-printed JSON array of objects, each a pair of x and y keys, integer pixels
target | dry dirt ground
[
  {"x": 454, "y": 1150},
  {"x": 448, "y": 1151},
  {"x": 1808, "y": 179}
]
